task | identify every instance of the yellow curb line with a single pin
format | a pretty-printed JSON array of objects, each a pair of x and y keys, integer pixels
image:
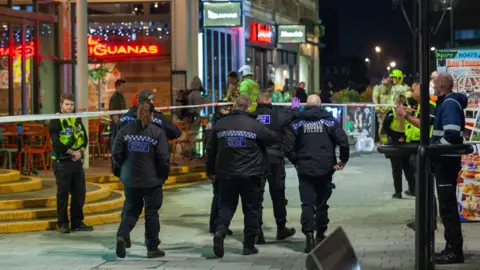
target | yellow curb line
[
  {"x": 94, "y": 195},
  {"x": 51, "y": 224},
  {"x": 109, "y": 178},
  {"x": 97, "y": 207},
  {"x": 10, "y": 176},
  {"x": 32, "y": 184},
  {"x": 119, "y": 185}
]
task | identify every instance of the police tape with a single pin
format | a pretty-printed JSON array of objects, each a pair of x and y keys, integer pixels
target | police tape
[{"x": 43, "y": 117}]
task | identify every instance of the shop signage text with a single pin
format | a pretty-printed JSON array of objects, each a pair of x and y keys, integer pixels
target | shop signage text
[
  {"x": 17, "y": 51},
  {"x": 218, "y": 14},
  {"x": 261, "y": 33},
  {"x": 98, "y": 49},
  {"x": 292, "y": 34}
]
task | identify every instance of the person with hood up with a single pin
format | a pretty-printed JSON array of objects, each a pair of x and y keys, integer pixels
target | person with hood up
[
  {"x": 300, "y": 92},
  {"x": 248, "y": 86},
  {"x": 448, "y": 128},
  {"x": 310, "y": 145},
  {"x": 194, "y": 97},
  {"x": 141, "y": 151},
  {"x": 399, "y": 88}
]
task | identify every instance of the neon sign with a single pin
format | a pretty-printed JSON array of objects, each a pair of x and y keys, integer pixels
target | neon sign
[
  {"x": 19, "y": 51},
  {"x": 98, "y": 49},
  {"x": 260, "y": 33}
]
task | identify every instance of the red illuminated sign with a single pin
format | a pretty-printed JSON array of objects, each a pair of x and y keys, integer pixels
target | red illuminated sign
[
  {"x": 17, "y": 51},
  {"x": 98, "y": 49},
  {"x": 260, "y": 33}
]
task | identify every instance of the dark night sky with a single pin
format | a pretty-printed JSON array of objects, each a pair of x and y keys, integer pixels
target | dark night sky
[{"x": 366, "y": 23}]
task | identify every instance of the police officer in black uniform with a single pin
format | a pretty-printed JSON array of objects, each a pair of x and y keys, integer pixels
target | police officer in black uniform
[
  {"x": 69, "y": 140},
  {"x": 237, "y": 159},
  {"x": 276, "y": 119},
  {"x": 224, "y": 111},
  {"x": 141, "y": 152},
  {"x": 310, "y": 145}
]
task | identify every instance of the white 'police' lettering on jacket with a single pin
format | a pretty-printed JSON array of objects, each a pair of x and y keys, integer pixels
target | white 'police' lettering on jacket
[
  {"x": 302, "y": 123},
  {"x": 138, "y": 143},
  {"x": 236, "y": 138},
  {"x": 314, "y": 127},
  {"x": 264, "y": 119}
]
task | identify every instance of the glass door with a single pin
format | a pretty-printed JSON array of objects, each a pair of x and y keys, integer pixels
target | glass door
[{"x": 17, "y": 52}]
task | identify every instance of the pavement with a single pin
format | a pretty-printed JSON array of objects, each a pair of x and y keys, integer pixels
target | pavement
[{"x": 361, "y": 203}]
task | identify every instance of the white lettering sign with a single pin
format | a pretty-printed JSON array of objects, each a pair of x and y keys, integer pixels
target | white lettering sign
[
  {"x": 212, "y": 15},
  {"x": 297, "y": 34}
]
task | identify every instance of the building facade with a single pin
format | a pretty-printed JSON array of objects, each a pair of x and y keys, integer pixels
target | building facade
[{"x": 160, "y": 45}]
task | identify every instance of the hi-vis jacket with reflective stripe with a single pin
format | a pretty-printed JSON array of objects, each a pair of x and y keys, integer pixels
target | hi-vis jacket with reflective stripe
[{"x": 449, "y": 119}]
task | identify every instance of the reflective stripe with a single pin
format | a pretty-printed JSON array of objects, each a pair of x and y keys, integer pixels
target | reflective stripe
[
  {"x": 438, "y": 132},
  {"x": 452, "y": 127},
  {"x": 443, "y": 141}
]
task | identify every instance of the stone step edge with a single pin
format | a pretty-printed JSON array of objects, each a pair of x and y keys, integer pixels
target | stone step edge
[
  {"x": 10, "y": 176},
  {"x": 93, "y": 220},
  {"x": 95, "y": 195},
  {"x": 51, "y": 224},
  {"x": 167, "y": 185},
  {"x": 182, "y": 178},
  {"x": 32, "y": 184},
  {"x": 51, "y": 212},
  {"x": 110, "y": 178}
]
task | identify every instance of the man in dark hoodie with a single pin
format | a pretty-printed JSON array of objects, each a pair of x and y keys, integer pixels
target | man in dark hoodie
[
  {"x": 276, "y": 119},
  {"x": 310, "y": 145},
  {"x": 448, "y": 128}
]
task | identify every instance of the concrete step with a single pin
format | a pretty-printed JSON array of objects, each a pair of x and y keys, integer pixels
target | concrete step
[
  {"x": 19, "y": 226},
  {"x": 24, "y": 184},
  {"x": 174, "y": 171},
  {"x": 46, "y": 197},
  {"x": 7, "y": 176},
  {"x": 113, "y": 202},
  {"x": 172, "y": 180}
]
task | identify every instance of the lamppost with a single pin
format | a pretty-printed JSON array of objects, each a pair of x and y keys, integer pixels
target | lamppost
[
  {"x": 393, "y": 64},
  {"x": 378, "y": 50}
]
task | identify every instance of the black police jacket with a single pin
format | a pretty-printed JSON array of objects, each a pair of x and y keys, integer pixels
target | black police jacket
[
  {"x": 237, "y": 147},
  {"x": 171, "y": 130},
  {"x": 311, "y": 140},
  {"x": 276, "y": 119},
  {"x": 142, "y": 155}
]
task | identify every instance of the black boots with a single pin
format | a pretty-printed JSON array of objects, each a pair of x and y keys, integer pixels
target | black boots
[
  {"x": 285, "y": 233},
  {"x": 250, "y": 251},
  {"x": 309, "y": 242},
  {"x": 260, "y": 238},
  {"x": 449, "y": 257},
  {"x": 218, "y": 248},
  {"x": 157, "y": 253},
  {"x": 121, "y": 247}
]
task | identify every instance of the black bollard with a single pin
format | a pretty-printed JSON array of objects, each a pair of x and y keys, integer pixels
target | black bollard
[{"x": 424, "y": 207}]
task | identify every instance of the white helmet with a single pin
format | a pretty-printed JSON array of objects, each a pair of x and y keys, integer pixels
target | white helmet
[{"x": 245, "y": 70}]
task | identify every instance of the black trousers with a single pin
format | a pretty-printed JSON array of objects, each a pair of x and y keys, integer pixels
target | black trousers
[
  {"x": 314, "y": 194},
  {"x": 402, "y": 164},
  {"x": 132, "y": 208},
  {"x": 446, "y": 171},
  {"x": 70, "y": 180},
  {"x": 249, "y": 190},
  {"x": 214, "y": 207},
  {"x": 414, "y": 165},
  {"x": 276, "y": 185}
]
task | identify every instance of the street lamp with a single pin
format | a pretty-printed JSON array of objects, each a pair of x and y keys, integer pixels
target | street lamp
[
  {"x": 388, "y": 68},
  {"x": 393, "y": 64},
  {"x": 378, "y": 49},
  {"x": 367, "y": 60},
  {"x": 433, "y": 49}
]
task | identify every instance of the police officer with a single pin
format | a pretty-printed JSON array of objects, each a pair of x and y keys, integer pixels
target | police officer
[
  {"x": 248, "y": 86},
  {"x": 276, "y": 119},
  {"x": 310, "y": 145},
  {"x": 69, "y": 140},
  {"x": 224, "y": 111},
  {"x": 141, "y": 151},
  {"x": 448, "y": 127},
  {"x": 394, "y": 127},
  {"x": 236, "y": 158},
  {"x": 412, "y": 130},
  {"x": 171, "y": 130}
]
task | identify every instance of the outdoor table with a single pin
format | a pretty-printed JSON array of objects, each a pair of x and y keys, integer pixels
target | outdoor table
[{"x": 18, "y": 137}]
